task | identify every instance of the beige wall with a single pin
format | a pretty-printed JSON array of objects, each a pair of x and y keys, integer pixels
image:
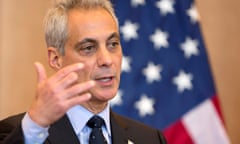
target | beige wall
[{"x": 22, "y": 43}]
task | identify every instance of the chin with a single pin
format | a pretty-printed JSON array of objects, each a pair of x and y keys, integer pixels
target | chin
[{"x": 104, "y": 96}]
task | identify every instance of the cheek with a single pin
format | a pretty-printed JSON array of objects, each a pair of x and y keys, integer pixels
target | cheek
[
  {"x": 69, "y": 59},
  {"x": 87, "y": 72},
  {"x": 118, "y": 62}
]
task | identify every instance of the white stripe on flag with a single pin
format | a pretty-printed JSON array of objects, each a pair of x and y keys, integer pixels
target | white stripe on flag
[{"x": 204, "y": 125}]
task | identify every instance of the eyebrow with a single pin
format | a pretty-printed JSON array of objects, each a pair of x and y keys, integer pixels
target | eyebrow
[
  {"x": 114, "y": 35},
  {"x": 85, "y": 40}
]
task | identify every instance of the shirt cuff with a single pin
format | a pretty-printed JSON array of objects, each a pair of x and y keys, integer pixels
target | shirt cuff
[{"x": 33, "y": 133}]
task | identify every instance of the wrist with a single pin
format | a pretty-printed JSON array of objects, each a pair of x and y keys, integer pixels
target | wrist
[{"x": 37, "y": 118}]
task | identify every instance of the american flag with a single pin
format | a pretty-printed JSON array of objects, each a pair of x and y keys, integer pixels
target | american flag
[{"x": 166, "y": 79}]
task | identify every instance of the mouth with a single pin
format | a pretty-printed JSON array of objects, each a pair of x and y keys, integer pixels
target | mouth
[{"x": 105, "y": 80}]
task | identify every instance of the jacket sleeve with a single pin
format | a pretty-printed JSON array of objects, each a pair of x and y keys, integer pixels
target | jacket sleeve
[
  {"x": 162, "y": 138},
  {"x": 11, "y": 130}
]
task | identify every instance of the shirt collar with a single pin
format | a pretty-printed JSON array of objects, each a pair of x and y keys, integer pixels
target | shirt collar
[{"x": 79, "y": 116}]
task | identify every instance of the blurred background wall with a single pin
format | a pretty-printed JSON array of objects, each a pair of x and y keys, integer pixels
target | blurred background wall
[{"x": 22, "y": 43}]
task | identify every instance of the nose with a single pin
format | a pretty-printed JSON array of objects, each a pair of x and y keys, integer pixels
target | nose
[{"x": 104, "y": 57}]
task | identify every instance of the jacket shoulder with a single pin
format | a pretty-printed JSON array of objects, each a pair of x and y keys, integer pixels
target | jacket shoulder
[
  {"x": 11, "y": 127},
  {"x": 138, "y": 131},
  {"x": 128, "y": 122},
  {"x": 10, "y": 122}
]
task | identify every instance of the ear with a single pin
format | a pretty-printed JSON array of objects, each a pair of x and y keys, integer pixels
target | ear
[{"x": 54, "y": 58}]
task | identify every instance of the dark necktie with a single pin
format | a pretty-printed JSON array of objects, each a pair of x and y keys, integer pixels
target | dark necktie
[{"x": 96, "y": 136}]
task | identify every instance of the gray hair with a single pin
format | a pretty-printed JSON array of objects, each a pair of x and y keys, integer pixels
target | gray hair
[{"x": 56, "y": 31}]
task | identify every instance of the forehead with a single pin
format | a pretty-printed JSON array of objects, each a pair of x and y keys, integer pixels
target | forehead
[{"x": 83, "y": 22}]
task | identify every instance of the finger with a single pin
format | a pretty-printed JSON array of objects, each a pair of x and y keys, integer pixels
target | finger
[
  {"x": 78, "y": 89},
  {"x": 67, "y": 70},
  {"x": 67, "y": 81},
  {"x": 41, "y": 73}
]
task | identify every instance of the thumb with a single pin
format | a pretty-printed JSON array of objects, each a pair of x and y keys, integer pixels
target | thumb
[{"x": 41, "y": 73}]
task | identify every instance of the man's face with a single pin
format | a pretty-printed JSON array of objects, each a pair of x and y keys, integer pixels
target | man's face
[{"x": 94, "y": 41}]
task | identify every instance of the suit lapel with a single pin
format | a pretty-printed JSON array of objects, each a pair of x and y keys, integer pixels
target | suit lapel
[
  {"x": 62, "y": 132},
  {"x": 118, "y": 129}
]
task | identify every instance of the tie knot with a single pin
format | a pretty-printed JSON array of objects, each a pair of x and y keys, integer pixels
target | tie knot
[{"x": 95, "y": 122}]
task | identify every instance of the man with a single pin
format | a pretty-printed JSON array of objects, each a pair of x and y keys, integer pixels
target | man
[{"x": 84, "y": 49}]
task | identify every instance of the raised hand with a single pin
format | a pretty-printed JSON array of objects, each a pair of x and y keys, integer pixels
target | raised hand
[{"x": 56, "y": 94}]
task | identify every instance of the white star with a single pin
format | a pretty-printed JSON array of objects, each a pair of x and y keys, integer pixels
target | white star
[
  {"x": 126, "y": 64},
  {"x": 135, "y": 3},
  {"x": 159, "y": 39},
  {"x": 165, "y": 6},
  {"x": 129, "y": 30},
  {"x": 152, "y": 72},
  {"x": 117, "y": 100},
  {"x": 145, "y": 106},
  {"x": 193, "y": 14},
  {"x": 183, "y": 81},
  {"x": 190, "y": 47}
]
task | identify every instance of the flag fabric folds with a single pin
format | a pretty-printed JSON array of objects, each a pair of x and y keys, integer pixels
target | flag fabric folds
[{"x": 166, "y": 80}]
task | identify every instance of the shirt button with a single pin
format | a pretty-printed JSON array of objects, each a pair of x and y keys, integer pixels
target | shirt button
[{"x": 41, "y": 135}]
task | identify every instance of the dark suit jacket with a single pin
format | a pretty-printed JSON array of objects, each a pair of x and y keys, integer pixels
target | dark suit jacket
[{"x": 61, "y": 132}]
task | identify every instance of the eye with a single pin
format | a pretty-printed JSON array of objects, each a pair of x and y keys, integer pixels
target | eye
[
  {"x": 113, "y": 44},
  {"x": 87, "y": 50}
]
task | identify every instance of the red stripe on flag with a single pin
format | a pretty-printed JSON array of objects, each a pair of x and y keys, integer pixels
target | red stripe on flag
[
  {"x": 216, "y": 103},
  {"x": 177, "y": 134}
]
